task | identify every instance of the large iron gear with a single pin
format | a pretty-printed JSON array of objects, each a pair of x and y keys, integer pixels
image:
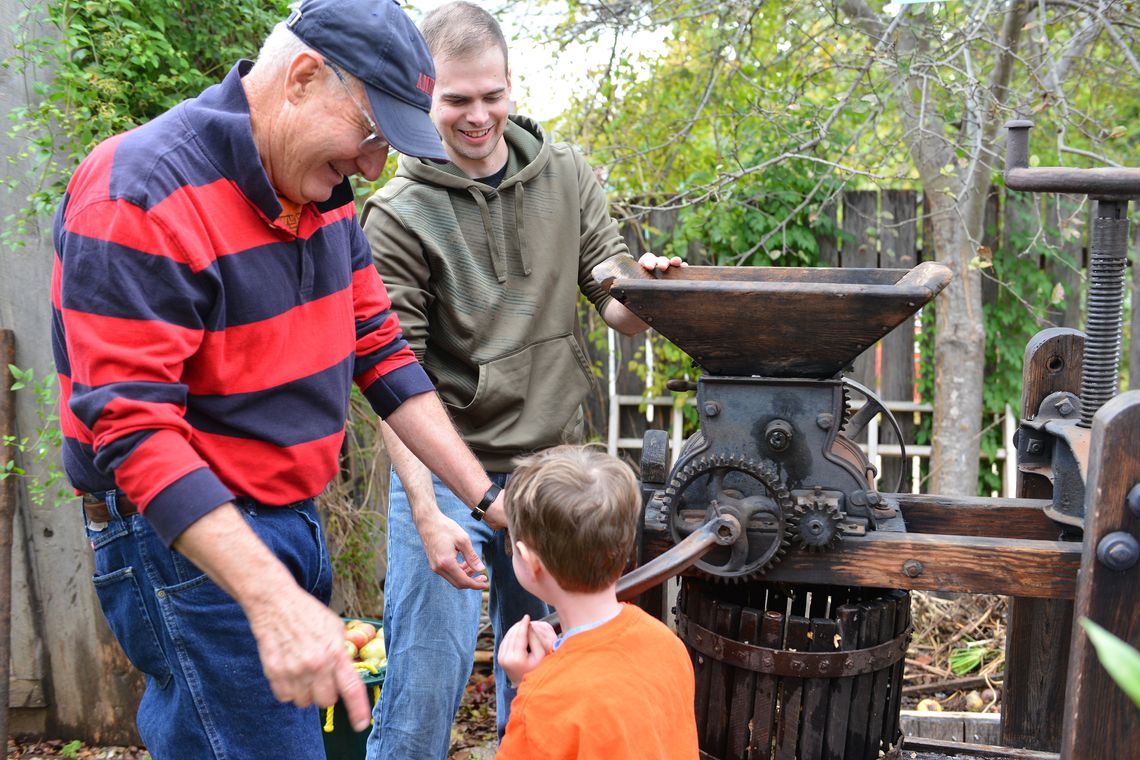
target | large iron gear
[
  {"x": 815, "y": 524},
  {"x": 748, "y": 489}
]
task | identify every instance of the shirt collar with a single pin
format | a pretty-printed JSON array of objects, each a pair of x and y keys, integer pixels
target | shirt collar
[{"x": 220, "y": 119}]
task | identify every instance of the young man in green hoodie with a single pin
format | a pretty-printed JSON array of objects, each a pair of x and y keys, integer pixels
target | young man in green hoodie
[{"x": 483, "y": 258}]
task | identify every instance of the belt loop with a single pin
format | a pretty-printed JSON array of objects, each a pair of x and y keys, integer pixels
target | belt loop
[{"x": 112, "y": 506}]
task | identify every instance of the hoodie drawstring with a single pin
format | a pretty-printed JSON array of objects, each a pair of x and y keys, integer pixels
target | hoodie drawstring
[
  {"x": 497, "y": 261},
  {"x": 520, "y": 229}
]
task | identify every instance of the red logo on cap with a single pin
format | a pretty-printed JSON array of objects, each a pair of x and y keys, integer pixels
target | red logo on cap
[{"x": 425, "y": 84}]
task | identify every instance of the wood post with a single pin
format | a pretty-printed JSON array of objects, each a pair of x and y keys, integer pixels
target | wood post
[
  {"x": 7, "y": 512},
  {"x": 1037, "y": 632},
  {"x": 1100, "y": 720}
]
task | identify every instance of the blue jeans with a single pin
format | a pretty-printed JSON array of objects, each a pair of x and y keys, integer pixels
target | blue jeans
[
  {"x": 206, "y": 696},
  {"x": 430, "y": 629}
]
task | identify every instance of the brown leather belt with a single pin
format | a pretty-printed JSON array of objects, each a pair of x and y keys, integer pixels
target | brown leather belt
[{"x": 97, "y": 511}]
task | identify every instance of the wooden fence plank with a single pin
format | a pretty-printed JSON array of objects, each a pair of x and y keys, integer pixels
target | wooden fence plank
[
  {"x": 861, "y": 225},
  {"x": 899, "y": 241},
  {"x": 828, "y": 245},
  {"x": 1064, "y": 236}
]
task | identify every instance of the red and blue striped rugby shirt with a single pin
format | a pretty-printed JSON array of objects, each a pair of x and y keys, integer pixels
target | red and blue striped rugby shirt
[{"x": 204, "y": 351}]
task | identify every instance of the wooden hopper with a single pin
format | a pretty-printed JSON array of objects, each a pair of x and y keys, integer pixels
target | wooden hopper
[{"x": 773, "y": 321}]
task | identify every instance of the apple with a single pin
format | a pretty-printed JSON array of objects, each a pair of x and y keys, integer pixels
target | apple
[
  {"x": 358, "y": 636},
  {"x": 360, "y": 625},
  {"x": 374, "y": 650},
  {"x": 351, "y": 649}
]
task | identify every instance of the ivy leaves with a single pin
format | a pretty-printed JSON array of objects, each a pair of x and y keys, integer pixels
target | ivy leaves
[{"x": 112, "y": 65}]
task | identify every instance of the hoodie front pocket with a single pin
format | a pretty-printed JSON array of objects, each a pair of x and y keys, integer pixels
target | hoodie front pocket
[{"x": 527, "y": 399}]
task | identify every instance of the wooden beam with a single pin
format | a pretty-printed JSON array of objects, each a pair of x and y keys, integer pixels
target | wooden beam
[
  {"x": 1037, "y": 630},
  {"x": 968, "y": 564},
  {"x": 1100, "y": 719},
  {"x": 986, "y": 751},
  {"x": 997, "y": 518}
]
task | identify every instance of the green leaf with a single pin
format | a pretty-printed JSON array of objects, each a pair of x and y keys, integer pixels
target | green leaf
[
  {"x": 968, "y": 658},
  {"x": 1120, "y": 660}
]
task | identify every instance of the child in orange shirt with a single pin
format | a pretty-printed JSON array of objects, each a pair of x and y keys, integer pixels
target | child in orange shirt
[{"x": 617, "y": 684}]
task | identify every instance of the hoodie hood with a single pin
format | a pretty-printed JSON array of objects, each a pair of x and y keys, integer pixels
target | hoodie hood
[{"x": 528, "y": 154}]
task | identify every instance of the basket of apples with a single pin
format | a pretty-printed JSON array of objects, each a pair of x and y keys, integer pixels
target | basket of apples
[{"x": 364, "y": 642}]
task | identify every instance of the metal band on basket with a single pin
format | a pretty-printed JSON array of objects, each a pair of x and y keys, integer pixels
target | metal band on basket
[{"x": 792, "y": 664}]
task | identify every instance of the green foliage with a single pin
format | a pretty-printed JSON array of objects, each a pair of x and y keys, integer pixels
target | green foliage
[
  {"x": 71, "y": 749},
  {"x": 44, "y": 448},
  {"x": 115, "y": 64},
  {"x": 969, "y": 658},
  {"x": 746, "y": 117},
  {"x": 1025, "y": 301},
  {"x": 1118, "y": 658}
]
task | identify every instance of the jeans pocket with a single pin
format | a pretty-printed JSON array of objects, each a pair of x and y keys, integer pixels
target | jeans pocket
[
  {"x": 126, "y": 613},
  {"x": 295, "y": 537}
]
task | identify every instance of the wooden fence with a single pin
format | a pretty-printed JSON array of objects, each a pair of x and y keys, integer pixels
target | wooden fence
[{"x": 884, "y": 229}]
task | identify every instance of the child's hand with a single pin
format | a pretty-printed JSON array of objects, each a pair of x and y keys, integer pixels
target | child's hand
[{"x": 524, "y": 646}]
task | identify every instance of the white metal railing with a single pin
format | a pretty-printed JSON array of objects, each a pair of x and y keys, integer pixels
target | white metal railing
[{"x": 874, "y": 448}]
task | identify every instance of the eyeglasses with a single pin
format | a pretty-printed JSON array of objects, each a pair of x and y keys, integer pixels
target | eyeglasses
[{"x": 375, "y": 141}]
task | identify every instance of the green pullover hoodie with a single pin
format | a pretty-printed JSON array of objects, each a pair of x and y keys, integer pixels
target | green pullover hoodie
[{"x": 485, "y": 282}]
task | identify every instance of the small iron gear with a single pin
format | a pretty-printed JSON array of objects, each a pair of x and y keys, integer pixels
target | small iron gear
[
  {"x": 748, "y": 489},
  {"x": 815, "y": 524}
]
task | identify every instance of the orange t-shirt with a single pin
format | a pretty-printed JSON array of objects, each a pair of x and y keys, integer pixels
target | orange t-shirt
[
  {"x": 620, "y": 691},
  {"x": 290, "y": 214}
]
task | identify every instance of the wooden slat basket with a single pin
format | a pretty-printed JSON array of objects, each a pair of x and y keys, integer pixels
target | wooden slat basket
[{"x": 795, "y": 672}]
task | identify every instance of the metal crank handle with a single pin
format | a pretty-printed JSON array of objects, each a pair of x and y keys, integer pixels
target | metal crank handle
[{"x": 722, "y": 530}]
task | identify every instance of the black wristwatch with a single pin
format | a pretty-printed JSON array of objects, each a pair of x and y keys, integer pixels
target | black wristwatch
[{"x": 479, "y": 511}]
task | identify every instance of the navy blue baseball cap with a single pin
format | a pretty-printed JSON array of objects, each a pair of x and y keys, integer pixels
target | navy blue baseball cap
[{"x": 375, "y": 41}]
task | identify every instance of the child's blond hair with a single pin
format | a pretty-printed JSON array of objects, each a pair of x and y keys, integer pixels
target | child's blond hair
[{"x": 577, "y": 508}]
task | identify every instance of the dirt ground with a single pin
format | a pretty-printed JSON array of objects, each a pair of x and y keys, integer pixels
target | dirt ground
[
  {"x": 954, "y": 662},
  {"x": 472, "y": 736}
]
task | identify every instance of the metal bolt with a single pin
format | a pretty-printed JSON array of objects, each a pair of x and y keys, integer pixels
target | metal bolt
[
  {"x": 1133, "y": 500},
  {"x": 825, "y": 421},
  {"x": 1065, "y": 407},
  {"x": 1034, "y": 447},
  {"x": 1118, "y": 551},
  {"x": 711, "y": 408},
  {"x": 778, "y": 434},
  {"x": 912, "y": 568}
]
